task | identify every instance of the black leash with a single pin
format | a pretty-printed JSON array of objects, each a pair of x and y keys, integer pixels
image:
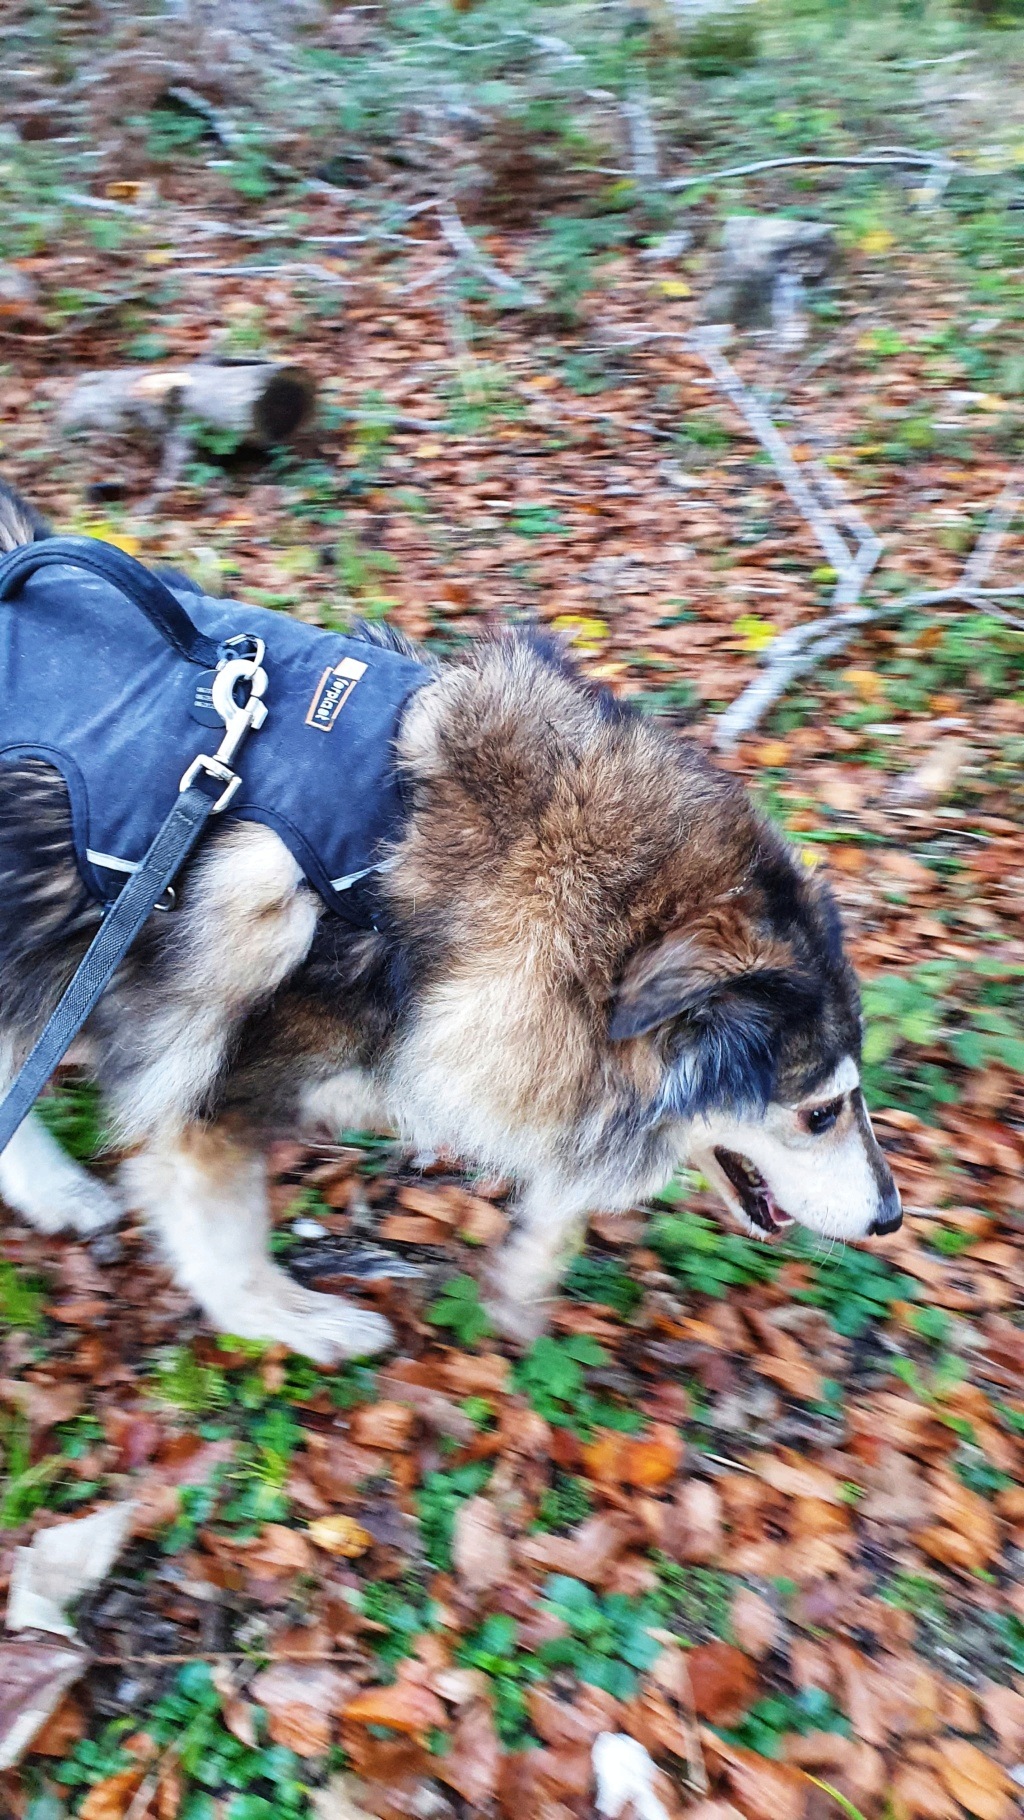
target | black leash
[{"x": 206, "y": 788}]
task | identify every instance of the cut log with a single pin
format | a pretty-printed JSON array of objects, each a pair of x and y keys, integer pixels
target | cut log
[{"x": 261, "y": 402}]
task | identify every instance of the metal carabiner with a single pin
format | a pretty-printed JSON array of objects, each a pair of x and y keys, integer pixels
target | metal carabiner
[{"x": 238, "y": 720}]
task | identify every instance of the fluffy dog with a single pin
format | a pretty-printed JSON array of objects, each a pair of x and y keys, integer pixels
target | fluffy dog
[{"x": 596, "y": 960}]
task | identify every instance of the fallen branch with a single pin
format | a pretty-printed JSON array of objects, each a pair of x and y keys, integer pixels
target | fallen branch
[
  {"x": 799, "y": 649},
  {"x": 893, "y": 156},
  {"x": 985, "y": 599},
  {"x": 465, "y": 246},
  {"x": 300, "y": 268},
  {"x": 999, "y": 520},
  {"x": 636, "y": 111},
  {"x": 707, "y": 343},
  {"x": 224, "y": 130},
  {"x": 261, "y": 402},
  {"x": 177, "y": 452}
]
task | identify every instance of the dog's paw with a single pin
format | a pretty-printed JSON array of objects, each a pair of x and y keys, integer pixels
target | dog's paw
[
  {"x": 335, "y": 1330},
  {"x": 522, "y": 1322},
  {"x": 321, "y": 1327},
  {"x": 82, "y": 1204},
  {"x": 91, "y": 1206}
]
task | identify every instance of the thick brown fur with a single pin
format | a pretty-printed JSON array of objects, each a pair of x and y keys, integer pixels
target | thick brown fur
[{"x": 595, "y": 949}]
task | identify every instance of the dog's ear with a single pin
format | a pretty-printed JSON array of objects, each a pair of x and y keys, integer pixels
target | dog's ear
[
  {"x": 683, "y": 973},
  {"x": 722, "y": 1010}
]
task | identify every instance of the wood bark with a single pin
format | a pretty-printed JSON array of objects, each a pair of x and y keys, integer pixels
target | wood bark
[{"x": 262, "y": 402}]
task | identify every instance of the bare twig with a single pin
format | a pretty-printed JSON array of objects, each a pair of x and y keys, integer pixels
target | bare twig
[
  {"x": 985, "y": 599},
  {"x": 926, "y": 63},
  {"x": 465, "y": 246},
  {"x": 223, "y": 129},
  {"x": 999, "y": 520},
  {"x": 298, "y": 268},
  {"x": 890, "y": 155},
  {"x": 225, "y": 1655},
  {"x": 798, "y": 650},
  {"x": 821, "y": 503},
  {"x": 697, "y": 1774},
  {"x": 707, "y": 344}
]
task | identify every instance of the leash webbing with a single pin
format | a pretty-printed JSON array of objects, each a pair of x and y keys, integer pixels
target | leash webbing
[
  {"x": 206, "y": 788},
  {"x": 130, "y": 910}
]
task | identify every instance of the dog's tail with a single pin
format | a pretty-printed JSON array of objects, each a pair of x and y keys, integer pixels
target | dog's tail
[{"x": 19, "y": 522}]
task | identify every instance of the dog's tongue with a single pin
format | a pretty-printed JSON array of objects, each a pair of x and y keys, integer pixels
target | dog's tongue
[{"x": 770, "y": 1217}]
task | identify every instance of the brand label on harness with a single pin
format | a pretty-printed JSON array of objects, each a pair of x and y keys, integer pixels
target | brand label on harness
[{"x": 332, "y": 692}]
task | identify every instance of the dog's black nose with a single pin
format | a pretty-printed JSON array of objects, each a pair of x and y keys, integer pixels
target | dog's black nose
[{"x": 890, "y": 1219}]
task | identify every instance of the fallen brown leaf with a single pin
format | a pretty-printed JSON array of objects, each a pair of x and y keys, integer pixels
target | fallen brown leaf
[
  {"x": 724, "y": 1682},
  {"x": 979, "y": 1784},
  {"x": 472, "y": 1765},
  {"x": 300, "y": 1699},
  {"x": 643, "y": 1463},
  {"x": 111, "y": 1798},
  {"x": 382, "y": 1425},
  {"x": 406, "y": 1707},
  {"x": 762, "y": 1790},
  {"x": 480, "y": 1547}
]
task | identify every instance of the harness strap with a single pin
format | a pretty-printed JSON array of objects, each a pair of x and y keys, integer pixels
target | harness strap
[
  {"x": 141, "y": 587},
  {"x": 173, "y": 844},
  {"x": 206, "y": 788}
]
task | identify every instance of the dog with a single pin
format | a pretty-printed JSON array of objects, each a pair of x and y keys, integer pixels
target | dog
[{"x": 595, "y": 961}]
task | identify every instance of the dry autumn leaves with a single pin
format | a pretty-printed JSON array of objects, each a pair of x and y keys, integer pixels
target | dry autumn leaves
[{"x": 760, "y": 1510}]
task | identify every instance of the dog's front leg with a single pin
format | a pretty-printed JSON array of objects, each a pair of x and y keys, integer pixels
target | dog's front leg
[
  {"x": 43, "y": 1183},
  {"x": 205, "y": 1192},
  {"x": 48, "y": 1188},
  {"x": 549, "y": 1221}
]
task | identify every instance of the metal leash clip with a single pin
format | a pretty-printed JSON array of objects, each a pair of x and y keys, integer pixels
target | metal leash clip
[{"x": 238, "y": 719}]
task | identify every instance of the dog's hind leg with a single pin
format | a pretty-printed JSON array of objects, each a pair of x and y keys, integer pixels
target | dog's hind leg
[{"x": 205, "y": 1192}]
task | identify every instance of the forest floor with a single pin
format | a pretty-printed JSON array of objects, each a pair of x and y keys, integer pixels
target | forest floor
[{"x": 759, "y": 1507}]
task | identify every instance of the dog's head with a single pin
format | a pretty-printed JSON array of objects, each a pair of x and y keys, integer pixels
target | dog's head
[
  {"x": 628, "y": 966},
  {"x": 753, "y": 1015}
]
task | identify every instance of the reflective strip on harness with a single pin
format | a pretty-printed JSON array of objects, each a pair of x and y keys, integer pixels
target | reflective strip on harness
[{"x": 110, "y": 862}]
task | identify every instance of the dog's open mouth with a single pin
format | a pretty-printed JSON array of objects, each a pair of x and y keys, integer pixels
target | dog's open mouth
[{"x": 755, "y": 1196}]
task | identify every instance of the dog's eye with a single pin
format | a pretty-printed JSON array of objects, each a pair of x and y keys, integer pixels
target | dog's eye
[{"x": 817, "y": 1119}]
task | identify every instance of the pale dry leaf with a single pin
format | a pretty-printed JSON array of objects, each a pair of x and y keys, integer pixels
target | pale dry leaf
[
  {"x": 35, "y": 1673},
  {"x": 755, "y": 1626},
  {"x": 339, "y": 1800},
  {"x": 917, "y": 1794},
  {"x": 694, "y": 1531},
  {"x": 624, "y": 1773},
  {"x": 1003, "y": 1708},
  {"x": 480, "y": 1548},
  {"x": 797, "y": 1478},
  {"x": 340, "y": 1535},
  {"x": 61, "y": 1564},
  {"x": 472, "y": 1765}
]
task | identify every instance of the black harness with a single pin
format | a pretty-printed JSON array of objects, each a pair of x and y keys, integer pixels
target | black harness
[{"x": 115, "y": 701}]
